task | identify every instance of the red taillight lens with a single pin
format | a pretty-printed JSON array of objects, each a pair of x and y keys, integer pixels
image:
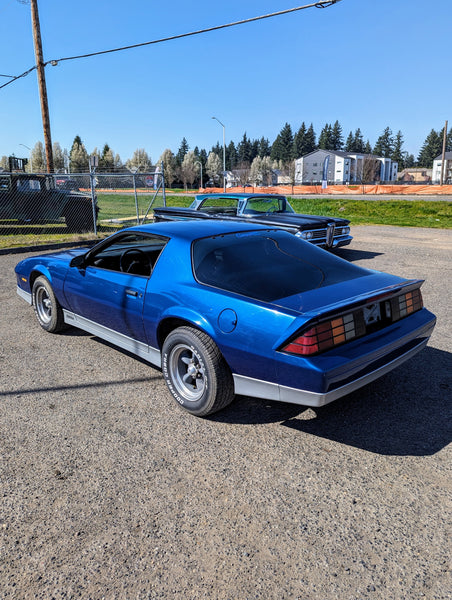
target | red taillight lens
[
  {"x": 344, "y": 328},
  {"x": 324, "y": 336}
]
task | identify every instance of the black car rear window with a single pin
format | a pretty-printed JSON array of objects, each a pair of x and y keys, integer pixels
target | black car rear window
[{"x": 267, "y": 265}]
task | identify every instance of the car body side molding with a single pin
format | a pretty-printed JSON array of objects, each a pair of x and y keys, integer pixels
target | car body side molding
[{"x": 141, "y": 349}]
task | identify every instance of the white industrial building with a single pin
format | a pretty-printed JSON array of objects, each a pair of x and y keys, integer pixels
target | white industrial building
[
  {"x": 337, "y": 167},
  {"x": 437, "y": 164}
]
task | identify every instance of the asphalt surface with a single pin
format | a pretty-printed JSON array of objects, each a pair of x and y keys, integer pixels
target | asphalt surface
[{"x": 109, "y": 490}]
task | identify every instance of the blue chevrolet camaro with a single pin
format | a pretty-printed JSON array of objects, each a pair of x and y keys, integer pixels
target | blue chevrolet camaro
[{"x": 232, "y": 308}]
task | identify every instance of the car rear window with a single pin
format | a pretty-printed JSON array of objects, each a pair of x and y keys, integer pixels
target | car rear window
[{"x": 267, "y": 265}]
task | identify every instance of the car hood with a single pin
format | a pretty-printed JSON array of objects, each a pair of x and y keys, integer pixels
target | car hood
[{"x": 298, "y": 220}]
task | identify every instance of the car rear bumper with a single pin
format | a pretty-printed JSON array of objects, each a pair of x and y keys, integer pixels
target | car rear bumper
[{"x": 329, "y": 384}]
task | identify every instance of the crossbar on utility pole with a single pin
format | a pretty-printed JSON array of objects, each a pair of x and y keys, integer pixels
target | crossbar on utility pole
[{"x": 42, "y": 84}]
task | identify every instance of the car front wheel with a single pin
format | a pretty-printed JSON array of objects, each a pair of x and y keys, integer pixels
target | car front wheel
[
  {"x": 195, "y": 372},
  {"x": 47, "y": 308}
]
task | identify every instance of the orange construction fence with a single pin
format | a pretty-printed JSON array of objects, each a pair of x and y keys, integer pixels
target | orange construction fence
[{"x": 349, "y": 190}]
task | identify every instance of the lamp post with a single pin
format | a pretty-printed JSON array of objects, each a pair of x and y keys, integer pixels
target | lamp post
[
  {"x": 198, "y": 162},
  {"x": 224, "y": 154},
  {"x": 31, "y": 159}
]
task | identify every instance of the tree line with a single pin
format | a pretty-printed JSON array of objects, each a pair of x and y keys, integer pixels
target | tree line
[{"x": 249, "y": 158}]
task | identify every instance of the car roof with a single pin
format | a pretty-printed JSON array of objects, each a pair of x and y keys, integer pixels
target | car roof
[
  {"x": 238, "y": 196},
  {"x": 192, "y": 230}
]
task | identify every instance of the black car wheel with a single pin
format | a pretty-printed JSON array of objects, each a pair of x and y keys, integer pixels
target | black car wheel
[
  {"x": 47, "y": 308},
  {"x": 195, "y": 372}
]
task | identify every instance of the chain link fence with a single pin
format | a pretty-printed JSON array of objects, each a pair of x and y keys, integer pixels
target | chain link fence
[{"x": 39, "y": 208}]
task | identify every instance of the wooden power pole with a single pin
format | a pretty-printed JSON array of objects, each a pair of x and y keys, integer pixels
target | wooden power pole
[
  {"x": 443, "y": 161},
  {"x": 42, "y": 84}
]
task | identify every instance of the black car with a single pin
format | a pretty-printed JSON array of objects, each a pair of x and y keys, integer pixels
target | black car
[{"x": 267, "y": 209}]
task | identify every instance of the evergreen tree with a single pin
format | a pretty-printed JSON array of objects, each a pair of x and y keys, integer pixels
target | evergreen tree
[
  {"x": 231, "y": 156},
  {"x": 326, "y": 138},
  {"x": 264, "y": 147},
  {"x": 183, "y": 149},
  {"x": 350, "y": 144},
  {"x": 384, "y": 144},
  {"x": 358, "y": 141},
  {"x": 282, "y": 148},
  {"x": 337, "y": 141},
  {"x": 310, "y": 143},
  {"x": 431, "y": 148},
  {"x": 299, "y": 141},
  {"x": 367, "y": 148},
  {"x": 397, "y": 153},
  {"x": 78, "y": 157},
  {"x": 244, "y": 150},
  {"x": 408, "y": 160}
]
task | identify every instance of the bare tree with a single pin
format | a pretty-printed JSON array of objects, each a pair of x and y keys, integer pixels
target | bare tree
[
  {"x": 169, "y": 166},
  {"x": 214, "y": 166},
  {"x": 38, "y": 158},
  {"x": 189, "y": 169},
  {"x": 140, "y": 160},
  {"x": 242, "y": 173}
]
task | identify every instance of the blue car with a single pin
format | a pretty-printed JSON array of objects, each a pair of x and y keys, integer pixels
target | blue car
[{"x": 226, "y": 308}]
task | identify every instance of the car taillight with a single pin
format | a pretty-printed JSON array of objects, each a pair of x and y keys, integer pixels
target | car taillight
[
  {"x": 406, "y": 304},
  {"x": 379, "y": 313},
  {"x": 326, "y": 335}
]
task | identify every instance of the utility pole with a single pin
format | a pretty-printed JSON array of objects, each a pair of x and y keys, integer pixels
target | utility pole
[
  {"x": 443, "y": 159},
  {"x": 42, "y": 84}
]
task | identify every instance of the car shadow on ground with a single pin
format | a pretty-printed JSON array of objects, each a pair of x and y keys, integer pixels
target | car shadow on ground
[
  {"x": 405, "y": 413},
  {"x": 352, "y": 255}
]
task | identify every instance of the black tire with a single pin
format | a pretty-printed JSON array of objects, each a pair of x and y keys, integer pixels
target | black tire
[
  {"x": 79, "y": 217},
  {"x": 195, "y": 372},
  {"x": 47, "y": 308}
]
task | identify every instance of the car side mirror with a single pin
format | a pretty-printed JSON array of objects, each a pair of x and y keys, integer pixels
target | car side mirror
[{"x": 78, "y": 261}]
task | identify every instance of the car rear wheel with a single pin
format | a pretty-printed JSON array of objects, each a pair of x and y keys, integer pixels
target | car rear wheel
[
  {"x": 47, "y": 308},
  {"x": 195, "y": 372}
]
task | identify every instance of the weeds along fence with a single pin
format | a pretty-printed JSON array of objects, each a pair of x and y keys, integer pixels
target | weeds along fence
[{"x": 39, "y": 207}]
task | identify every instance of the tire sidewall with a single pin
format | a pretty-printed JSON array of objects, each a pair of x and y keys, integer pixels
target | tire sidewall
[
  {"x": 207, "y": 399},
  {"x": 53, "y": 324}
]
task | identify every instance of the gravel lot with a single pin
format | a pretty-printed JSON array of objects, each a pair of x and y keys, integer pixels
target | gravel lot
[{"x": 109, "y": 490}]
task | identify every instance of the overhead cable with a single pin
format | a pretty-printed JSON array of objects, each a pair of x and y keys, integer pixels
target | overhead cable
[{"x": 322, "y": 4}]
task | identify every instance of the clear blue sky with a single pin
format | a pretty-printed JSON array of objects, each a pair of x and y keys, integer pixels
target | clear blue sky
[{"x": 367, "y": 63}]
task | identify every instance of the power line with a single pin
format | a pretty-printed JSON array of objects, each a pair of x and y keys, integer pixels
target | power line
[{"x": 54, "y": 62}]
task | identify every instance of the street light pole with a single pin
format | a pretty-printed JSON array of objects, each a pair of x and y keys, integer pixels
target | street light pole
[
  {"x": 224, "y": 154},
  {"x": 31, "y": 158}
]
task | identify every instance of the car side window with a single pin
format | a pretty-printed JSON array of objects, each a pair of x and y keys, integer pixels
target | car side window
[{"x": 133, "y": 253}]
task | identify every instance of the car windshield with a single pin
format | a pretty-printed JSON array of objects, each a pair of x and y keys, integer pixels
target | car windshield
[
  {"x": 266, "y": 205},
  {"x": 267, "y": 265}
]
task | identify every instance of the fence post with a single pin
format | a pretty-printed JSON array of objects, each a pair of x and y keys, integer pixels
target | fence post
[
  {"x": 93, "y": 198},
  {"x": 136, "y": 197},
  {"x": 163, "y": 186}
]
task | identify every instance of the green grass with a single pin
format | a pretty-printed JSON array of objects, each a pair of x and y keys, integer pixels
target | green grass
[{"x": 121, "y": 207}]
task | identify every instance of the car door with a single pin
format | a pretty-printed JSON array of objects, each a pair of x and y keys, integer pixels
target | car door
[{"x": 109, "y": 290}]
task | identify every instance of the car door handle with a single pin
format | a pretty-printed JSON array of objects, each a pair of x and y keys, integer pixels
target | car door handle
[{"x": 133, "y": 293}]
